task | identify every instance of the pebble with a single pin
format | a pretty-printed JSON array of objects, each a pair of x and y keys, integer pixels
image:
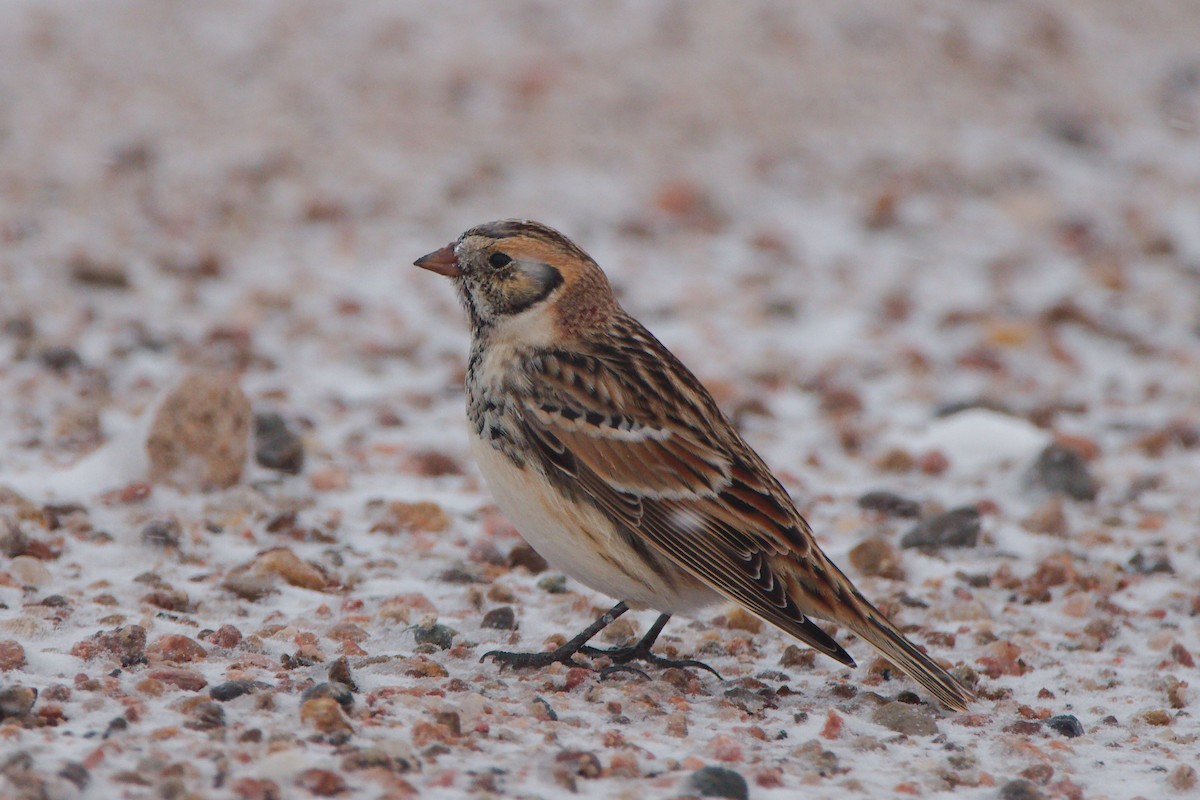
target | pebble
[
  {"x": 1062, "y": 469},
  {"x": 1183, "y": 778},
  {"x": 16, "y": 701},
  {"x": 889, "y": 504},
  {"x": 438, "y": 635},
  {"x": 572, "y": 764},
  {"x": 200, "y": 435},
  {"x": 77, "y": 774},
  {"x": 176, "y": 648},
  {"x": 324, "y": 714},
  {"x": 1020, "y": 789},
  {"x": 248, "y": 586},
  {"x": 422, "y": 516},
  {"x": 525, "y": 556},
  {"x": 958, "y": 527},
  {"x": 903, "y": 718},
  {"x": 127, "y": 645},
  {"x": 339, "y": 672},
  {"x": 60, "y": 358},
  {"x": 226, "y": 636},
  {"x": 164, "y": 533},
  {"x": 180, "y": 677},
  {"x": 1066, "y": 724},
  {"x": 502, "y": 618},
  {"x": 206, "y": 716},
  {"x": 322, "y": 782},
  {"x": 338, "y": 692},
  {"x": 29, "y": 571},
  {"x": 718, "y": 782},
  {"x": 1049, "y": 518},
  {"x": 739, "y": 619},
  {"x": 224, "y": 692},
  {"x": 294, "y": 570},
  {"x": 277, "y": 446},
  {"x": 12, "y": 655},
  {"x": 553, "y": 584},
  {"x": 877, "y": 556}
]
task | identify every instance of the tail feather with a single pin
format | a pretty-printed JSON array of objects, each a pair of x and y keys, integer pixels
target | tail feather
[{"x": 893, "y": 646}]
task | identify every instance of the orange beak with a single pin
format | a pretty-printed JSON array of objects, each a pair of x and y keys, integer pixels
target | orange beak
[{"x": 443, "y": 262}]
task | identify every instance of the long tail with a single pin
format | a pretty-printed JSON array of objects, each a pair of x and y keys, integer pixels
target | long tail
[{"x": 822, "y": 590}]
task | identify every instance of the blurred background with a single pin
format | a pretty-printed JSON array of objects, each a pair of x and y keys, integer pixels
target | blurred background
[{"x": 849, "y": 218}]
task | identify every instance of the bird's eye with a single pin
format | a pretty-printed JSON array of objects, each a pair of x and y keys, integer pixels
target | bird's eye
[{"x": 499, "y": 260}]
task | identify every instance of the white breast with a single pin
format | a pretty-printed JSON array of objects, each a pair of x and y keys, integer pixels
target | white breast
[{"x": 578, "y": 540}]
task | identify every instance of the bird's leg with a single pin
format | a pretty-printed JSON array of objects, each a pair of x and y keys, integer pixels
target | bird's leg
[
  {"x": 564, "y": 654},
  {"x": 621, "y": 656}
]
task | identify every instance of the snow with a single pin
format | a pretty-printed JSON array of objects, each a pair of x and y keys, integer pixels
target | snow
[{"x": 845, "y": 218}]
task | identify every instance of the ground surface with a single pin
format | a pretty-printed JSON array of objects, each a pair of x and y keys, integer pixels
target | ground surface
[{"x": 850, "y": 220}]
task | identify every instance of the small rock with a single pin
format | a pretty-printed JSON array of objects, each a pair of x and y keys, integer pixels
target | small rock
[
  {"x": 60, "y": 359},
  {"x": 276, "y": 446},
  {"x": 76, "y": 773},
  {"x": 338, "y": 692},
  {"x": 200, "y": 435},
  {"x": 339, "y": 672},
  {"x": 206, "y": 716},
  {"x": 422, "y": 516},
  {"x": 797, "y": 656},
  {"x": 1156, "y": 717},
  {"x": 877, "y": 556},
  {"x": 1183, "y": 778},
  {"x": 226, "y": 636},
  {"x": 294, "y": 570},
  {"x": 12, "y": 655},
  {"x": 501, "y": 618},
  {"x": 324, "y": 714},
  {"x": 224, "y": 692},
  {"x": 127, "y": 645},
  {"x": 1061, "y": 469},
  {"x": 1020, "y": 789},
  {"x": 177, "y": 648},
  {"x": 438, "y": 635},
  {"x": 525, "y": 556},
  {"x": 889, "y": 504},
  {"x": 742, "y": 620},
  {"x": 1066, "y": 724},
  {"x": 461, "y": 574},
  {"x": 16, "y": 701},
  {"x": 1152, "y": 564},
  {"x": 248, "y": 586},
  {"x": 1038, "y": 773},
  {"x": 180, "y": 677},
  {"x": 903, "y": 718},
  {"x": 718, "y": 782},
  {"x": 164, "y": 533},
  {"x": 553, "y": 584},
  {"x": 322, "y": 782},
  {"x": 572, "y": 764},
  {"x": 29, "y": 571},
  {"x": 1048, "y": 518},
  {"x": 958, "y": 527}
]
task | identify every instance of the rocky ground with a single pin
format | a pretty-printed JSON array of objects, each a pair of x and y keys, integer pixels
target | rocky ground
[{"x": 940, "y": 262}]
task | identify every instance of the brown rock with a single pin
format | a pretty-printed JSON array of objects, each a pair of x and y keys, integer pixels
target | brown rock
[
  {"x": 740, "y": 619},
  {"x": 127, "y": 645},
  {"x": 404, "y": 517},
  {"x": 177, "y": 648},
  {"x": 322, "y": 782},
  {"x": 324, "y": 714},
  {"x": 294, "y": 570},
  {"x": 200, "y": 435},
  {"x": 12, "y": 655},
  {"x": 225, "y": 636},
  {"x": 903, "y": 718},
  {"x": 877, "y": 556},
  {"x": 1048, "y": 518},
  {"x": 180, "y": 677},
  {"x": 1183, "y": 778}
]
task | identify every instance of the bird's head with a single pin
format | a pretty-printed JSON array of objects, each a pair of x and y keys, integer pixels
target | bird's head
[{"x": 523, "y": 280}]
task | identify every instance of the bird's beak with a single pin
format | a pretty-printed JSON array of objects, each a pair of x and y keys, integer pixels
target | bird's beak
[{"x": 443, "y": 262}]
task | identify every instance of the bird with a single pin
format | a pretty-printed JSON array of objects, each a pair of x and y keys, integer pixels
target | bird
[{"x": 618, "y": 467}]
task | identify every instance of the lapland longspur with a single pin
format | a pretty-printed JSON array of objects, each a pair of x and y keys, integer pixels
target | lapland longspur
[{"x": 616, "y": 464}]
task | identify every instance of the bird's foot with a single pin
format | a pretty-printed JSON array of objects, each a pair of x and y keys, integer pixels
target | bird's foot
[
  {"x": 561, "y": 655},
  {"x": 621, "y": 656}
]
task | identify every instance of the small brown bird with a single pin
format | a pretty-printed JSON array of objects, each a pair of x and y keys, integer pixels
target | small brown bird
[{"x": 618, "y": 467}]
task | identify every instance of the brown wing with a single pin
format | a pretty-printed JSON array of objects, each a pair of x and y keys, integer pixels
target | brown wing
[{"x": 629, "y": 426}]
